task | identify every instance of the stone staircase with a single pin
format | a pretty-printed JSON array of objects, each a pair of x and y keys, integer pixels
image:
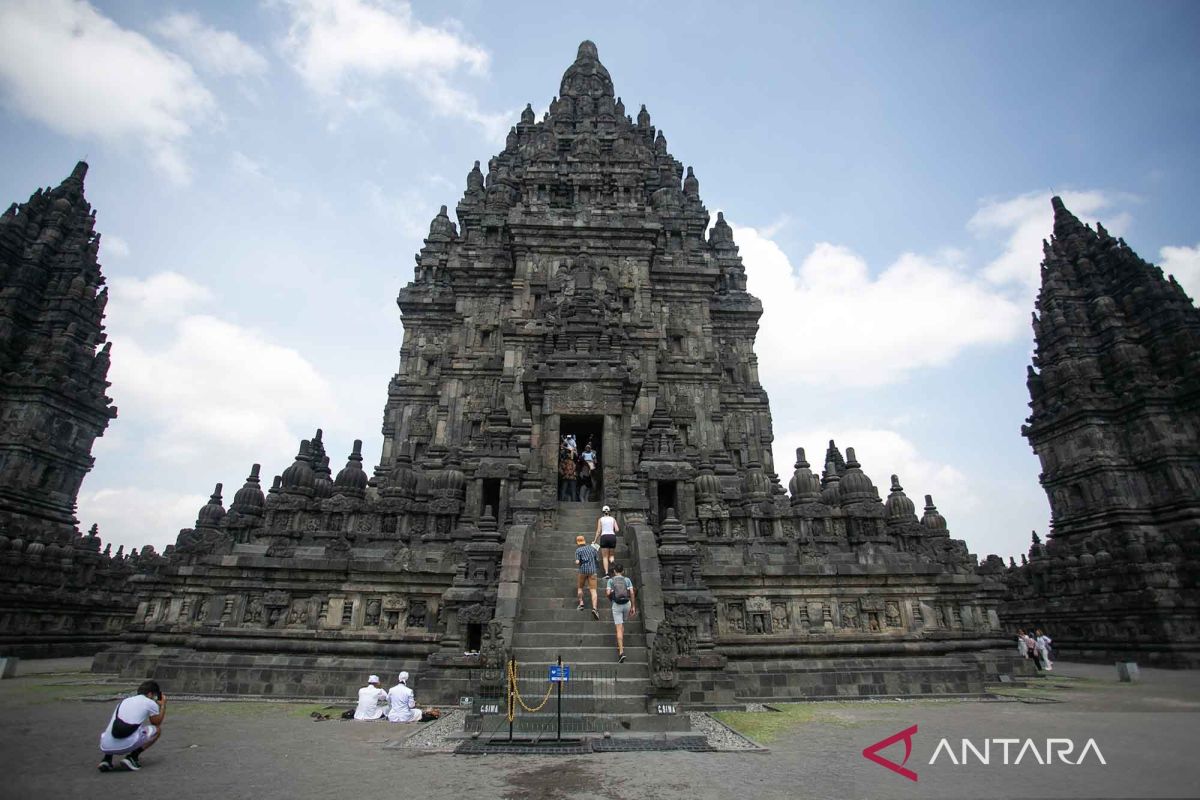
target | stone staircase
[{"x": 550, "y": 626}]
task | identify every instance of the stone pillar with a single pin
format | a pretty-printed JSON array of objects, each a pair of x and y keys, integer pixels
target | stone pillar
[
  {"x": 548, "y": 467},
  {"x": 613, "y": 469}
]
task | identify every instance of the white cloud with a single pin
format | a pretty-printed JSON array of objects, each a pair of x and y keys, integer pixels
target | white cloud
[
  {"x": 76, "y": 71},
  {"x": 212, "y": 391},
  {"x": 831, "y": 320},
  {"x": 1026, "y": 220},
  {"x": 1184, "y": 264},
  {"x": 115, "y": 246},
  {"x": 162, "y": 297},
  {"x": 136, "y": 516},
  {"x": 882, "y": 453},
  {"x": 217, "y": 51},
  {"x": 339, "y": 47}
]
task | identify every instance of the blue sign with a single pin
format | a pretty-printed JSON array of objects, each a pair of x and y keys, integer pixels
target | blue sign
[{"x": 560, "y": 674}]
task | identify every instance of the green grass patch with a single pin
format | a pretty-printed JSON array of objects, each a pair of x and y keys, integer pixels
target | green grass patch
[
  {"x": 766, "y": 726},
  {"x": 1051, "y": 686}
]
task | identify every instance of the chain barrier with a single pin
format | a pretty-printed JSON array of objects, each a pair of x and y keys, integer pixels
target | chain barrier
[{"x": 514, "y": 694}]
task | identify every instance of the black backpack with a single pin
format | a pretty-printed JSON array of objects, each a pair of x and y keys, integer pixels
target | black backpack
[{"x": 620, "y": 590}]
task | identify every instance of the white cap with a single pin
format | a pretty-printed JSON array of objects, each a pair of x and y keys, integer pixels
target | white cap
[
  {"x": 403, "y": 677},
  {"x": 605, "y": 509},
  {"x": 373, "y": 679}
]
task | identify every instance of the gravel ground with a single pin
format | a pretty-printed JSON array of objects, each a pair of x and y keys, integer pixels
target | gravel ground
[
  {"x": 438, "y": 737},
  {"x": 721, "y": 737}
]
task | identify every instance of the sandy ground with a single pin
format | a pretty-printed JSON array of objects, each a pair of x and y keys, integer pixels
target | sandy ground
[{"x": 1148, "y": 734}]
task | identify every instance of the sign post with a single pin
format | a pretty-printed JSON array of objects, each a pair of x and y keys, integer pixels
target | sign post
[{"x": 561, "y": 677}]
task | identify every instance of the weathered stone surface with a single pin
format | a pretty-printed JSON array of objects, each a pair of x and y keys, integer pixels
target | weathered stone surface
[
  {"x": 59, "y": 594},
  {"x": 1115, "y": 398},
  {"x": 579, "y": 292}
]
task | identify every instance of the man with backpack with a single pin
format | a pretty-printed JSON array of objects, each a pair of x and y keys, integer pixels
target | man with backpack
[
  {"x": 624, "y": 604},
  {"x": 136, "y": 724}
]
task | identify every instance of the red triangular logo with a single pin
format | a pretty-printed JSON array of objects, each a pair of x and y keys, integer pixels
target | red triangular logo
[{"x": 872, "y": 752}]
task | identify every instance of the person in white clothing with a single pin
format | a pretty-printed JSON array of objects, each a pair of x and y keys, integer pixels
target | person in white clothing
[
  {"x": 372, "y": 701},
  {"x": 606, "y": 537},
  {"x": 1022, "y": 650},
  {"x": 402, "y": 702},
  {"x": 1042, "y": 646},
  {"x": 135, "y": 725}
]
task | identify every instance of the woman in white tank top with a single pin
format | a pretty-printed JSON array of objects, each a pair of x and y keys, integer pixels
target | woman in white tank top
[{"x": 606, "y": 536}]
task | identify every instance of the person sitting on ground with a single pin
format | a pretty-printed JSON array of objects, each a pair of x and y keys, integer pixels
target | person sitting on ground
[
  {"x": 135, "y": 726},
  {"x": 606, "y": 536},
  {"x": 585, "y": 560},
  {"x": 624, "y": 604},
  {"x": 402, "y": 702},
  {"x": 372, "y": 701}
]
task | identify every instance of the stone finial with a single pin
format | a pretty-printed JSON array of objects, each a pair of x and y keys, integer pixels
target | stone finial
[
  {"x": 213, "y": 512},
  {"x": 691, "y": 186},
  {"x": 527, "y": 118},
  {"x": 932, "y": 520},
  {"x": 721, "y": 233},
  {"x": 1065, "y": 223},
  {"x": 587, "y": 51},
  {"x": 830, "y": 494},
  {"x": 1036, "y": 539},
  {"x": 249, "y": 499},
  {"x": 898, "y": 507},
  {"x": 643, "y": 117},
  {"x": 352, "y": 480}
]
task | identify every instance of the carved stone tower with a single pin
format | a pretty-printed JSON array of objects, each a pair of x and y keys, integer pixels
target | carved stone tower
[
  {"x": 580, "y": 291},
  {"x": 59, "y": 594},
  {"x": 1115, "y": 389},
  {"x": 53, "y": 359}
]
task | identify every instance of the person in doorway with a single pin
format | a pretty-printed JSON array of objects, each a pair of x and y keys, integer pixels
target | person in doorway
[
  {"x": 589, "y": 455},
  {"x": 624, "y": 604},
  {"x": 566, "y": 472},
  {"x": 584, "y": 480},
  {"x": 372, "y": 701},
  {"x": 136, "y": 724},
  {"x": 606, "y": 536},
  {"x": 585, "y": 561},
  {"x": 402, "y": 703},
  {"x": 1041, "y": 645}
]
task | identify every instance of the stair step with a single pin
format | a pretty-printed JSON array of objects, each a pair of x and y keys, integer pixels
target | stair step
[
  {"x": 576, "y": 624},
  {"x": 569, "y": 614},
  {"x": 577, "y": 638}
]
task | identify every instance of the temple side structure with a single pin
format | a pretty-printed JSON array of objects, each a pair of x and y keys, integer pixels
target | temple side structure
[
  {"x": 1115, "y": 399},
  {"x": 578, "y": 292},
  {"x": 59, "y": 594}
]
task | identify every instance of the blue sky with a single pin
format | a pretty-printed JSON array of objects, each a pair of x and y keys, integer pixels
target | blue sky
[{"x": 263, "y": 173}]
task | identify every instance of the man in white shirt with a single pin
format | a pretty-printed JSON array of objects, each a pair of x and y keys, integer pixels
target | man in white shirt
[
  {"x": 372, "y": 701},
  {"x": 135, "y": 725},
  {"x": 402, "y": 702}
]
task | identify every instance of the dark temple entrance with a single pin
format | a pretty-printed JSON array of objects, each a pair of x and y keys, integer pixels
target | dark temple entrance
[{"x": 582, "y": 431}]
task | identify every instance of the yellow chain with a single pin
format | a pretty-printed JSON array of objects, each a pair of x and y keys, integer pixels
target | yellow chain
[{"x": 515, "y": 694}]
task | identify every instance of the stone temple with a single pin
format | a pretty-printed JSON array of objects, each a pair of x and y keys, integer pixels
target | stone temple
[
  {"x": 1115, "y": 388},
  {"x": 578, "y": 290},
  {"x": 59, "y": 594}
]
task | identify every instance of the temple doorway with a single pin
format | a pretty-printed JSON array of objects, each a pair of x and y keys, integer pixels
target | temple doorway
[{"x": 581, "y": 441}]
